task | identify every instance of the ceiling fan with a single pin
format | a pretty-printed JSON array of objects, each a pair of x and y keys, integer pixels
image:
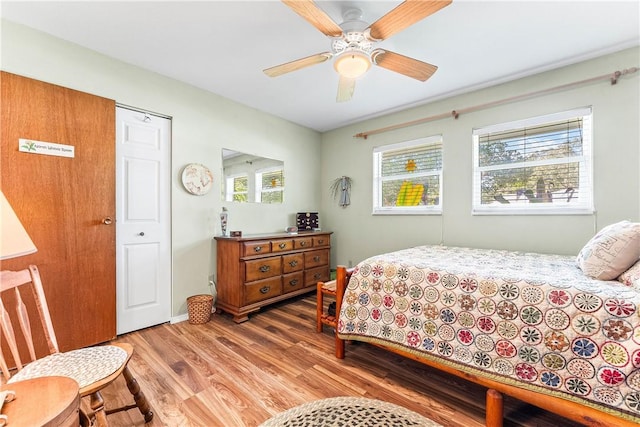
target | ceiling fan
[{"x": 353, "y": 42}]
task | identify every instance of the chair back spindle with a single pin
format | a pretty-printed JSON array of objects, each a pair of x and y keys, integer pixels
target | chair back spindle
[{"x": 25, "y": 325}]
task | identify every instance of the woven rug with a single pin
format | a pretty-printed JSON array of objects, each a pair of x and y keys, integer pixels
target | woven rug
[{"x": 351, "y": 412}]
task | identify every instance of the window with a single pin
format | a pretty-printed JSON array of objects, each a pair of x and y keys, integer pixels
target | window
[
  {"x": 534, "y": 166},
  {"x": 270, "y": 185},
  {"x": 237, "y": 188},
  {"x": 407, "y": 177}
]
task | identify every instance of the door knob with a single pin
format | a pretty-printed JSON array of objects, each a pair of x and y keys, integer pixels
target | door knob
[
  {"x": 141, "y": 233},
  {"x": 107, "y": 221}
]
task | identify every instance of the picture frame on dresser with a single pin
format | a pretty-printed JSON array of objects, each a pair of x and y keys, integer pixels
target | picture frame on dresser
[{"x": 254, "y": 271}]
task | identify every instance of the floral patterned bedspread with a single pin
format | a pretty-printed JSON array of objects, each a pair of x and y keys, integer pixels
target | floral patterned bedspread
[{"x": 531, "y": 320}]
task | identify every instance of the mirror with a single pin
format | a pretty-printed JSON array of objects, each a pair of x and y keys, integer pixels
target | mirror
[{"x": 250, "y": 178}]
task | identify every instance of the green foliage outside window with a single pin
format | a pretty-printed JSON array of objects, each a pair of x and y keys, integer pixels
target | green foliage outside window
[{"x": 240, "y": 189}]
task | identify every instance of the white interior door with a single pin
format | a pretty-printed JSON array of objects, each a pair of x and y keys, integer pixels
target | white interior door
[{"x": 143, "y": 220}]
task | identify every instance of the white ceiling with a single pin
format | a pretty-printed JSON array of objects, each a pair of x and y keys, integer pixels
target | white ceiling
[{"x": 223, "y": 46}]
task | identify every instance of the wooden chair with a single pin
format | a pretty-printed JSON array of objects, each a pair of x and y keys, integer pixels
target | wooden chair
[{"x": 93, "y": 368}]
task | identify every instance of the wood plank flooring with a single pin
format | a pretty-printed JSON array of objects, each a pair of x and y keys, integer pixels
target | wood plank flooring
[{"x": 235, "y": 375}]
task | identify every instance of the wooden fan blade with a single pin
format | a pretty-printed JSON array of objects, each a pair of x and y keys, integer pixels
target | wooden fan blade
[
  {"x": 345, "y": 89},
  {"x": 403, "y": 64},
  {"x": 281, "y": 69},
  {"x": 404, "y": 15},
  {"x": 315, "y": 16}
]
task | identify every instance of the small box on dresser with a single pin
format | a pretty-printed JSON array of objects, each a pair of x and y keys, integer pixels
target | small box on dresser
[{"x": 257, "y": 270}]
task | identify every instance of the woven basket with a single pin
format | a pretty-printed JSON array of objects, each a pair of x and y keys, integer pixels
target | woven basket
[{"x": 199, "y": 308}]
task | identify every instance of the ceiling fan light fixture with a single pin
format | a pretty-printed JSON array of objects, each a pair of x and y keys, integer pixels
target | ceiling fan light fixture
[{"x": 352, "y": 65}]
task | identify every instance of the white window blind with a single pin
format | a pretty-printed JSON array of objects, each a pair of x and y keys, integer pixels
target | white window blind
[
  {"x": 270, "y": 185},
  {"x": 540, "y": 165},
  {"x": 407, "y": 177}
]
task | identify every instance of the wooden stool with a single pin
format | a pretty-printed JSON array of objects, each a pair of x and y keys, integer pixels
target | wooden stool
[
  {"x": 322, "y": 318},
  {"x": 336, "y": 289}
]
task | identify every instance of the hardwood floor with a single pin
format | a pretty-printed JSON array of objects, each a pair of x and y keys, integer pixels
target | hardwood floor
[{"x": 227, "y": 374}]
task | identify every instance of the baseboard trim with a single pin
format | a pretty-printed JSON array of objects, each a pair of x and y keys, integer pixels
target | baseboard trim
[{"x": 178, "y": 319}]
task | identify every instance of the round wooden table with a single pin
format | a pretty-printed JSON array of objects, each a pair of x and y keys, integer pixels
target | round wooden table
[{"x": 46, "y": 401}]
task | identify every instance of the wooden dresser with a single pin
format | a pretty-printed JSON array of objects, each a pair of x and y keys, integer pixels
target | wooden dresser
[{"x": 257, "y": 270}]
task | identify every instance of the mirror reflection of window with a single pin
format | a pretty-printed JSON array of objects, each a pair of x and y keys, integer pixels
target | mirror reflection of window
[
  {"x": 237, "y": 188},
  {"x": 270, "y": 188},
  {"x": 251, "y": 178}
]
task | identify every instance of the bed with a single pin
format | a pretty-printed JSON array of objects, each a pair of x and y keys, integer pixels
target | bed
[{"x": 532, "y": 326}]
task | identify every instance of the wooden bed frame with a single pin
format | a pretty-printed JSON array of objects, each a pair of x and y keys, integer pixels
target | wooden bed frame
[{"x": 495, "y": 390}]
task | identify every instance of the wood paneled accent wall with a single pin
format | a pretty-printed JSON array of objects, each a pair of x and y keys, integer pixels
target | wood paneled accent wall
[{"x": 62, "y": 202}]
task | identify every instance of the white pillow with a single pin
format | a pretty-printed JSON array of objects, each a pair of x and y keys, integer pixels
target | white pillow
[{"x": 611, "y": 251}]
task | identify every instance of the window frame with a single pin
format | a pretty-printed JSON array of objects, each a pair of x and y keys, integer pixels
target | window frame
[
  {"x": 585, "y": 162},
  {"x": 378, "y": 179}
]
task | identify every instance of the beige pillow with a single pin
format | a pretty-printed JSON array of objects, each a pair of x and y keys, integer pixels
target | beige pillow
[
  {"x": 611, "y": 251},
  {"x": 631, "y": 277}
]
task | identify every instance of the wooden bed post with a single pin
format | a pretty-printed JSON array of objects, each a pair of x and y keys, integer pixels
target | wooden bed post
[
  {"x": 341, "y": 284},
  {"x": 494, "y": 408}
]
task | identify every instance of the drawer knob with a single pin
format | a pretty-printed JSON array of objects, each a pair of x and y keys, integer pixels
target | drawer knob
[
  {"x": 321, "y": 241},
  {"x": 293, "y": 282},
  {"x": 303, "y": 243},
  {"x": 293, "y": 263},
  {"x": 265, "y": 289},
  {"x": 316, "y": 258},
  {"x": 257, "y": 249},
  {"x": 317, "y": 276},
  {"x": 264, "y": 268},
  {"x": 282, "y": 245}
]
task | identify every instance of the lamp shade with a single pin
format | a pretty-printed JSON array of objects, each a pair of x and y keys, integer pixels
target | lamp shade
[
  {"x": 352, "y": 64},
  {"x": 14, "y": 240}
]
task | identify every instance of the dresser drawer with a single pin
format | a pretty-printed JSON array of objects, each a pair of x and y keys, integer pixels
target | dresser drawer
[
  {"x": 316, "y": 258},
  {"x": 321, "y": 241},
  {"x": 303, "y": 242},
  {"x": 293, "y": 262},
  {"x": 315, "y": 275},
  {"x": 262, "y": 289},
  {"x": 292, "y": 282},
  {"x": 262, "y": 268},
  {"x": 256, "y": 248},
  {"x": 281, "y": 245}
]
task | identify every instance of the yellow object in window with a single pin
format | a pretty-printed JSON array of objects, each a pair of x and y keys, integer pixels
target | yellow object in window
[{"x": 410, "y": 194}]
